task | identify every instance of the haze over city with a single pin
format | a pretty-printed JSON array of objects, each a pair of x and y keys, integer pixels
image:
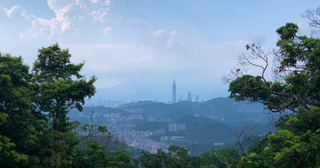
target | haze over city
[{"x": 139, "y": 47}]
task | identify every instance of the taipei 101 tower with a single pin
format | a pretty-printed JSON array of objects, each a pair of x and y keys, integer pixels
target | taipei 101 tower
[{"x": 173, "y": 92}]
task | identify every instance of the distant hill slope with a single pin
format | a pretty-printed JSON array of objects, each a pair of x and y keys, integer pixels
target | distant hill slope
[
  {"x": 222, "y": 109},
  {"x": 203, "y": 129},
  {"x": 151, "y": 126},
  {"x": 97, "y": 109}
]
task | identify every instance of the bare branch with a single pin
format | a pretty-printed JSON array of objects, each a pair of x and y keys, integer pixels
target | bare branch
[
  {"x": 313, "y": 16},
  {"x": 257, "y": 54},
  {"x": 249, "y": 130},
  {"x": 238, "y": 140},
  {"x": 91, "y": 127},
  {"x": 235, "y": 73}
]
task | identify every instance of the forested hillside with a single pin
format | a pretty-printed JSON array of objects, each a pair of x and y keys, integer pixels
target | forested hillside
[{"x": 222, "y": 109}]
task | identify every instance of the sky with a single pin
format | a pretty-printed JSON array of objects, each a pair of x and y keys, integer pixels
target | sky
[{"x": 141, "y": 46}]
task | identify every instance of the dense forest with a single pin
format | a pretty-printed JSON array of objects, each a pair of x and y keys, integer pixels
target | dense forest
[{"x": 36, "y": 132}]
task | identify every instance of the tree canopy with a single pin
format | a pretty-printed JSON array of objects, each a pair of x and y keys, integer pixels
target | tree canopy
[{"x": 295, "y": 88}]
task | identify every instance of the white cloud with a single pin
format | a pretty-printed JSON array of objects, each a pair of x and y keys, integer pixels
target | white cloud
[
  {"x": 24, "y": 14},
  {"x": 158, "y": 32},
  {"x": 80, "y": 3},
  {"x": 37, "y": 34},
  {"x": 60, "y": 18},
  {"x": 215, "y": 59},
  {"x": 173, "y": 33},
  {"x": 9, "y": 12},
  {"x": 94, "y": 1},
  {"x": 171, "y": 38},
  {"x": 99, "y": 14},
  {"x": 44, "y": 24},
  {"x": 113, "y": 56},
  {"x": 107, "y": 2},
  {"x": 16, "y": 9},
  {"x": 81, "y": 18},
  {"x": 76, "y": 30},
  {"x": 106, "y": 29},
  {"x": 60, "y": 23}
]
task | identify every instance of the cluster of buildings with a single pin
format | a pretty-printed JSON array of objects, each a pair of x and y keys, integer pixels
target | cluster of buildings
[
  {"x": 174, "y": 94},
  {"x": 106, "y": 115},
  {"x": 174, "y": 127},
  {"x": 134, "y": 117},
  {"x": 151, "y": 146},
  {"x": 151, "y": 119},
  {"x": 111, "y": 115},
  {"x": 106, "y": 103},
  {"x": 218, "y": 144},
  {"x": 138, "y": 110},
  {"x": 114, "y": 116},
  {"x": 172, "y": 138},
  {"x": 139, "y": 139},
  {"x": 123, "y": 128}
]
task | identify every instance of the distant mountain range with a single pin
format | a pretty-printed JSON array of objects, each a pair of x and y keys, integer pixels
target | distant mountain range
[
  {"x": 225, "y": 110},
  {"x": 161, "y": 89},
  {"x": 200, "y": 128}
]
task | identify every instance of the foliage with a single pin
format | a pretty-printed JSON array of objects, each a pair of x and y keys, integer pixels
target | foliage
[
  {"x": 176, "y": 157},
  {"x": 35, "y": 131},
  {"x": 296, "y": 144},
  {"x": 8, "y": 155},
  {"x": 225, "y": 155},
  {"x": 296, "y": 68},
  {"x": 97, "y": 155},
  {"x": 58, "y": 92}
]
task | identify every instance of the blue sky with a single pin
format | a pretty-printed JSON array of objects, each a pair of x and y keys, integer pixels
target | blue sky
[{"x": 155, "y": 41}]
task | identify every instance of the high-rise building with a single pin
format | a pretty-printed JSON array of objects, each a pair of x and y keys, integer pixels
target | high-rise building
[
  {"x": 174, "y": 92},
  {"x": 176, "y": 127},
  {"x": 197, "y": 98},
  {"x": 189, "y": 96}
]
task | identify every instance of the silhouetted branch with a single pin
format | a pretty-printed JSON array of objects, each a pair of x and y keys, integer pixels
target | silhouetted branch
[
  {"x": 238, "y": 140},
  {"x": 314, "y": 19},
  {"x": 249, "y": 130}
]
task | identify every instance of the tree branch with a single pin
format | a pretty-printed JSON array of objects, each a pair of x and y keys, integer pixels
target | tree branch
[
  {"x": 238, "y": 140},
  {"x": 250, "y": 138}
]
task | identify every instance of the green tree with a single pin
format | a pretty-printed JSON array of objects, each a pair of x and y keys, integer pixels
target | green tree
[
  {"x": 7, "y": 154},
  {"x": 96, "y": 155},
  {"x": 221, "y": 158},
  {"x": 176, "y": 157},
  {"x": 296, "y": 88},
  {"x": 35, "y": 131},
  {"x": 57, "y": 90},
  {"x": 21, "y": 132}
]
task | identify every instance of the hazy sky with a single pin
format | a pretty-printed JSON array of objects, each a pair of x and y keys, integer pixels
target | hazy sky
[{"x": 196, "y": 42}]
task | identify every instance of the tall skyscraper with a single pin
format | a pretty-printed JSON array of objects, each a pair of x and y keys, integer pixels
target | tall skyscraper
[
  {"x": 174, "y": 92},
  {"x": 189, "y": 96},
  {"x": 197, "y": 98}
]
